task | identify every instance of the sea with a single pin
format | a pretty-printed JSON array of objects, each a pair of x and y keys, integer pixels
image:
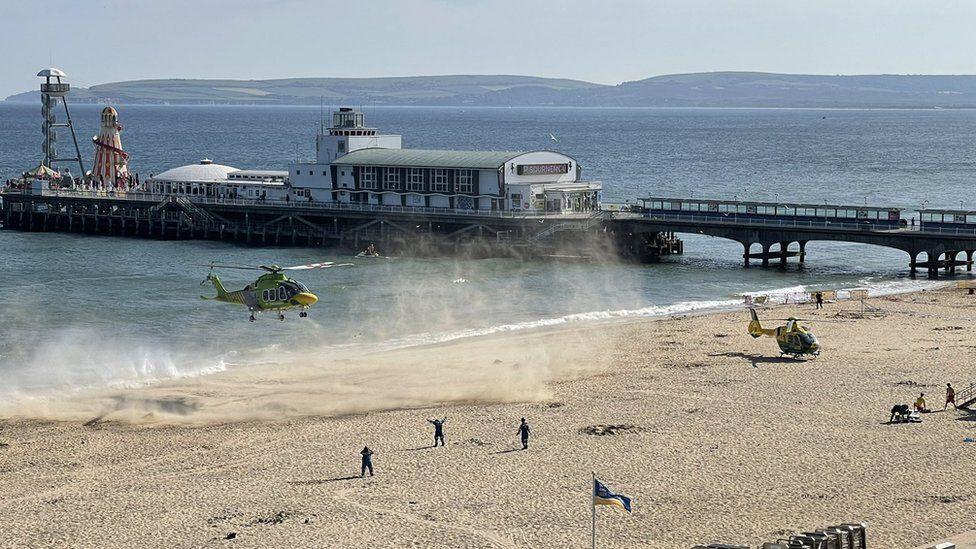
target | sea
[{"x": 80, "y": 312}]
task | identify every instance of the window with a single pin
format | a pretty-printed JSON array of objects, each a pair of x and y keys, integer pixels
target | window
[
  {"x": 323, "y": 174},
  {"x": 264, "y": 296},
  {"x": 439, "y": 183},
  {"x": 465, "y": 182},
  {"x": 391, "y": 179},
  {"x": 415, "y": 179},
  {"x": 282, "y": 293},
  {"x": 367, "y": 178}
]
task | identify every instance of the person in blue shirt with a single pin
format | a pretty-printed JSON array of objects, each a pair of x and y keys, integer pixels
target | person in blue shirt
[{"x": 438, "y": 429}]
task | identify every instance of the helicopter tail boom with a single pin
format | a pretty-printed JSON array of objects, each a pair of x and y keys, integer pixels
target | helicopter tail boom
[
  {"x": 755, "y": 327},
  {"x": 221, "y": 292}
]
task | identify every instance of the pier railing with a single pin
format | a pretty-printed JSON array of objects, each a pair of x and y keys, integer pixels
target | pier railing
[
  {"x": 330, "y": 206},
  {"x": 788, "y": 223}
]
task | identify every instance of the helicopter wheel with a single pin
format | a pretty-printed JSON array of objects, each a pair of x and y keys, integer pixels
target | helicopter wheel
[
  {"x": 302, "y": 314},
  {"x": 281, "y": 317},
  {"x": 252, "y": 319}
]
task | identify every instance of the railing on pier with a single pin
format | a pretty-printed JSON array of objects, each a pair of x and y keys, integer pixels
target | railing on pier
[
  {"x": 329, "y": 206},
  {"x": 621, "y": 212}
]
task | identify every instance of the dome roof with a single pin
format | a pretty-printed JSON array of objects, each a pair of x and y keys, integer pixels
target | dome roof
[
  {"x": 204, "y": 171},
  {"x": 51, "y": 72}
]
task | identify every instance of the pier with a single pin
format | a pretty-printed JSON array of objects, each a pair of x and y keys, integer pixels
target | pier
[
  {"x": 634, "y": 233},
  {"x": 774, "y": 241},
  {"x": 414, "y": 230}
]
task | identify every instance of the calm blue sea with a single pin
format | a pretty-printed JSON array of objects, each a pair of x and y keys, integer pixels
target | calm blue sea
[{"x": 81, "y": 311}]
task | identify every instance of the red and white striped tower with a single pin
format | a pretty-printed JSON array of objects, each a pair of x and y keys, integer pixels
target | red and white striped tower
[{"x": 111, "y": 162}]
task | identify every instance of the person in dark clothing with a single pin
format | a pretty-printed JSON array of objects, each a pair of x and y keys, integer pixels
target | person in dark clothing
[
  {"x": 523, "y": 432},
  {"x": 367, "y": 461},
  {"x": 438, "y": 429},
  {"x": 819, "y": 297}
]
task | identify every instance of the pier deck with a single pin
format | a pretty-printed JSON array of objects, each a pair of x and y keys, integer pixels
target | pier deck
[
  {"x": 480, "y": 233},
  {"x": 640, "y": 235}
]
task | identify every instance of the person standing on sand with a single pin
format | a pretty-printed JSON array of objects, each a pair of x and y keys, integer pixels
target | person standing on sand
[
  {"x": 950, "y": 397},
  {"x": 367, "y": 461},
  {"x": 523, "y": 432},
  {"x": 438, "y": 429},
  {"x": 819, "y": 297}
]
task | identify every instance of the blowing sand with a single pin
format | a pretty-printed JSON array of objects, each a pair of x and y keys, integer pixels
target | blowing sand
[{"x": 715, "y": 439}]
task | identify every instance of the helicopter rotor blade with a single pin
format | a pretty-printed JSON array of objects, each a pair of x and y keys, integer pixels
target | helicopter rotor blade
[
  {"x": 242, "y": 267},
  {"x": 324, "y": 265},
  {"x": 808, "y": 320}
]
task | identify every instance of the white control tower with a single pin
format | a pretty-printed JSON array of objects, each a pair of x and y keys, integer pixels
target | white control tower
[{"x": 53, "y": 91}]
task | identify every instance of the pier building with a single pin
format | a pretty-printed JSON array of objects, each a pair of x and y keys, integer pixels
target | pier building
[
  {"x": 355, "y": 164},
  {"x": 207, "y": 179}
]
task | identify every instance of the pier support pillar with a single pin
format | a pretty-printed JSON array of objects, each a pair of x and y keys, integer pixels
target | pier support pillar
[
  {"x": 747, "y": 247},
  {"x": 803, "y": 251},
  {"x": 934, "y": 260},
  {"x": 784, "y": 248},
  {"x": 969, "y": 260},
  {"x": 765, "y": 254},
  {"x": 950, "y": 263},
  {"x": 913, "y": 265}
]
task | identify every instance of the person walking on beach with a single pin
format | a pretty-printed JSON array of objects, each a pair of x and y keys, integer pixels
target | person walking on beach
[
  {"x": 438, "y": 429},
  {"x": 523, "y": 432},
  {"x": 819, "y": 298},
  {"x": 367, "y": 461},
  {"x": 950, "y": 397}
]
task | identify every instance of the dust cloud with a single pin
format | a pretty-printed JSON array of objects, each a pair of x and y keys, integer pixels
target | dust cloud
[
  {"x": 491, "y": 369},
  {"x": 415, "y": 334}
]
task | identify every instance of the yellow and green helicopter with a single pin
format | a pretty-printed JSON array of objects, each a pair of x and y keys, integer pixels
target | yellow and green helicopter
[
  {"x": 272, "y": 291},
  {"x": 793, "y": 339}
]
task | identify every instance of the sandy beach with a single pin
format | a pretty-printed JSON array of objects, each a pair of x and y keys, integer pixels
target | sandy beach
[{"x": 717, "y": 439}]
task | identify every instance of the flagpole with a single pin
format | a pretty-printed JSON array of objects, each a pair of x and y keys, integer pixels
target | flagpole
[{"x": 593, "y": 508}]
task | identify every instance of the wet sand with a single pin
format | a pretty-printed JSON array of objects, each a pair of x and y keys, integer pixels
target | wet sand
[{"x": 717, "y": 439}]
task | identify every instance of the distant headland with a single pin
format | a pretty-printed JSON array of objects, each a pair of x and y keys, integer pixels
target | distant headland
[{"x": 712, "y": 89}]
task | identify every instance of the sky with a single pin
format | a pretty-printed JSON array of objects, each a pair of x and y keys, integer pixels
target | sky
[{"x": 608, "y": 41}]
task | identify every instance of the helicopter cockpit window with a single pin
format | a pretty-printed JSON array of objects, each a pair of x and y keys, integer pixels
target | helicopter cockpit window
[
  {"x": 294, "y": 287},
  {"x": 808, "y": 339}
]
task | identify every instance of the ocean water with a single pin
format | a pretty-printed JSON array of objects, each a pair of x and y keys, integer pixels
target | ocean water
[{"x": 81, "y": 312}]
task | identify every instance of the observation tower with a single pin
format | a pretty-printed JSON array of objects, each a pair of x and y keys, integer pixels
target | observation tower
[{"x": 53, "y": 91}]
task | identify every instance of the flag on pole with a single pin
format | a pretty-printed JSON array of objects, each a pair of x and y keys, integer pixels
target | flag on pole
[{"x": 603, "y": 496}]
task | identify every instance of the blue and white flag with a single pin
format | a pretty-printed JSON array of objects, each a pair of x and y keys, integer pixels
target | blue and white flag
[{"x": 603, "y": 496}]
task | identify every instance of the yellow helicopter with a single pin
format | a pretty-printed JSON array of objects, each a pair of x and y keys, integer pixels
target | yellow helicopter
[
  {"x": 793, "y": 339},
  {"x": 272, "y": 291}
]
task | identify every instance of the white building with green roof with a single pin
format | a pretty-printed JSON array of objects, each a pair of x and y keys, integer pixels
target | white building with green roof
[{"x": 357, "y": 165}]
